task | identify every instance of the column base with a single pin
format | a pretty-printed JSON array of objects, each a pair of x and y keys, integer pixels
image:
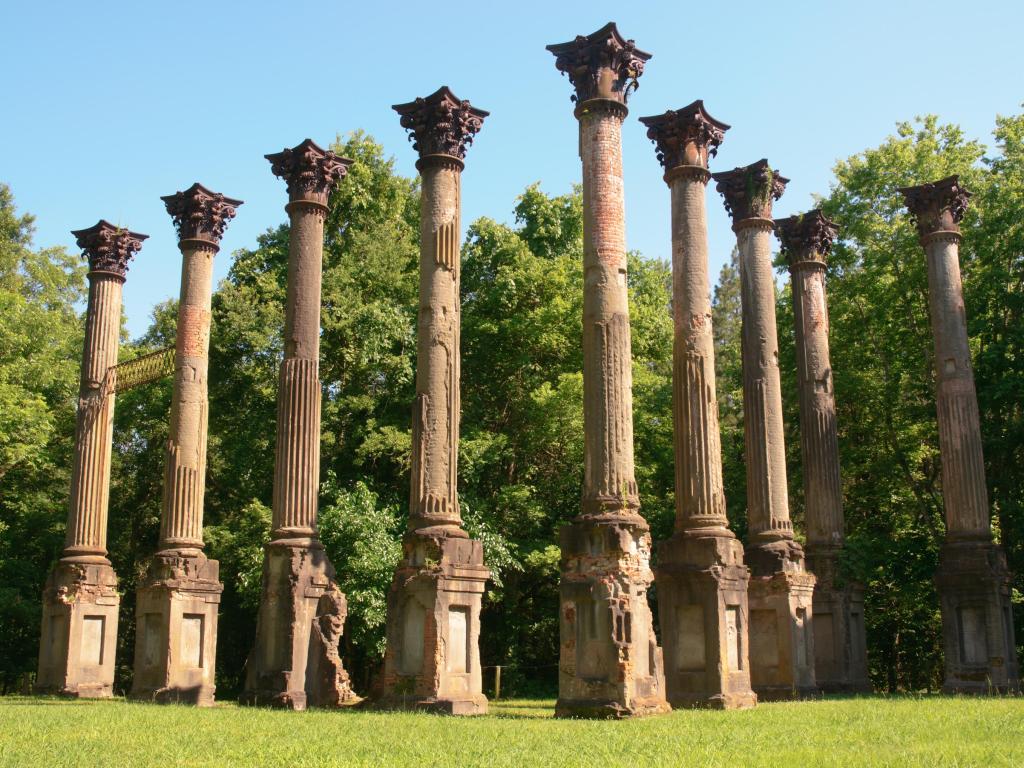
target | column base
[
  {"x": 702, "y": 593},
  {"x": 610, "y": 664},
  {"x": 432, "y": 661},
  {"x": 840, "y": 641},
  {"x": 977, "y": 620},
  {"x": 781, "y": 616},
  {"x": 176, "y": 630},
  {"x": 79, "y": 631},
  {"x": 295, "y": 663}
]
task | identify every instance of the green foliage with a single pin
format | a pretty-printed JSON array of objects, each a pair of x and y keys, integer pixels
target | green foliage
[{"x": 40, "y": 344}]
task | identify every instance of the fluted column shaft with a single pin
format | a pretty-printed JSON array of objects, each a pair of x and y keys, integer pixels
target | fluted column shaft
[
  {"x": 435, "y": 446},
  {"x": 181, "y": 525},
  {"x": 90, "y": 474},
  {"x": 609, "y": 485},
  {"x": 767, "y": 495},
  {"x": 700, "y": 495},
  {"x": 964, "y": 492},
  {"x": 297, "y": 458},
  {"x": 819, "y": 442}
]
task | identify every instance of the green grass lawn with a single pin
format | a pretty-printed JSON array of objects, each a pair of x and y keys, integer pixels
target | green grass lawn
[{"x": 871, "y": 731}]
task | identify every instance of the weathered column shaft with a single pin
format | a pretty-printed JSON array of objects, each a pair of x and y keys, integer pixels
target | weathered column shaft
[
  {"x": 90, "y": 473},
  {"x": 609, "y": 483},
  {"x": 435, "y": 445},
  {"x": 297, "y": 457},
  {"x": 764, "y": 439},
  {"x": 181, "y": 525},
  {"x": 964, "y": 492},
  {"x": 806, "y": 240},
  {"x": 700, "y": 494}
]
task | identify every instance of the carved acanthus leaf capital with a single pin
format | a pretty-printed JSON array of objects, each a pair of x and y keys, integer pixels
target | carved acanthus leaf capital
[
  {"x": 200, "y": 214},
  {"x": 108, "y": 248},
  {"x": 938, "y": 206},
  {"x": 311, "y": 173},
  {"x": 806, "y": 235},
  {"x": 687, "y": 136},
  {"x": 749, "y": 191},
  {"x": 441, "y": 123},
  {"x": 602, "y": 65}
]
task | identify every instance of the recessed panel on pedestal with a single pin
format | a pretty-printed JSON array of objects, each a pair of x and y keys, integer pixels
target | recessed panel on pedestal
[
  {"x": 412, "y": 638},
  {"x": 973, "y": 643},
  {"x": 458, "y": 639},
  {"x": 732, "y": 638},
  {"x": 690, "y": 641},
  {"x": 764, "y": 638},
  {"x": 192, "y": 640},
  {"x": 92, "y": 640}
]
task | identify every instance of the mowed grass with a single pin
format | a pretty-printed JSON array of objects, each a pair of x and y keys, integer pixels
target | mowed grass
[{"x": 929, "y": 731}]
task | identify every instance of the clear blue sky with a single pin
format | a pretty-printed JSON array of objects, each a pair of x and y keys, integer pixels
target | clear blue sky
[{"x": 110, "y": 105}]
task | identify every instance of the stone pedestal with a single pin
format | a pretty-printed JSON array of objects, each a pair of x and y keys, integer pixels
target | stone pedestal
[
  {"x": 840, "y": 637},
  {"x": 176, "y": 609},
  {"x": 176, "y": 630},
  {"x": 701, "y": 576},
  {"x": 301, "y": 619},
  {"x": 840, "y": 657},
  {"x": 80, "y": 600},
  {"x": 610, "y": 664},
  {"x": 781, "y": 635},
  {"x": 780, "y": 592},
  {"x": 79, "y": 637},
  {"x": 972, "y": 578},
  {"x": 704, "y": 617},
  {"x": 295, "y": 662},
  {"x": 432, "y": 660},
  {"x": 974, "y": 586}
]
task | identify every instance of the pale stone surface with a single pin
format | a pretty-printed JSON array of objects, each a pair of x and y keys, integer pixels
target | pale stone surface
[
  {"x": 701, "y": 577},
  {"x": 295, "y": 661},
  {"x": 80, "y": 599},
  {"x": 840, "y": 642},
  {"x": 973, "y": 579},
  {"x": 780, "y": 590},
  {"x": 176, "y": 607},
  {"x": 432, "y": 660},
  {"x": 610, "y": 663}
]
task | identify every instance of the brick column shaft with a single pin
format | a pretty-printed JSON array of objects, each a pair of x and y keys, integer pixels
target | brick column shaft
[
  {"x": 609, "y": 485},
  {"x": 181, "y": 525}
]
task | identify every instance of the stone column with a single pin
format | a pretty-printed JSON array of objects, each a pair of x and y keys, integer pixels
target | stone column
[
  {"x": 302, "y": 612},
  {"x": 973, "y": 579},
  {"x": 702, "y": 581},
  {"x": 610, "y": 663},
  {"x": 840, "y": 645},
  {"x": 80, "y": 600},
  {"x": 176, "y": 608},
  {"x": 433, "y": 623},
  {"x": 780, "y": 593}
]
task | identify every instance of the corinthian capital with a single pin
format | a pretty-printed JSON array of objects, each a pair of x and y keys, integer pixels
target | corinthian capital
[
  {"x": 749, "y": 191},
  {"x": 310, "y": 172},
  {"x": 200, "y": 214},
  {"x": 108, "y": 248},
  {"x": 602, "y": 65},
  {"x": 807, "y": 236},
  {"x": 441, "y": 123},
  {"x": 938, "y": 206},
  {"x": 687, "y": 136}
]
